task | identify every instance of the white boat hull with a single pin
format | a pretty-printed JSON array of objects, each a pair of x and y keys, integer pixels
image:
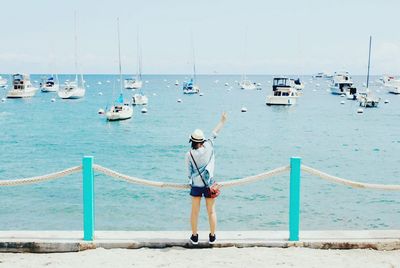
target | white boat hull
[
  {"x": 115, "y": 115},
  {"x": 53, "y": 88},
  {"x": 193, "y": 90},
  {"x": 75, "y": 93},
  {"x": 133, "y": 84},
  {"x": 247, "y": 85},
  {"x": 139, "y": 99},
  {"x": 281, "y": 100},
  {"x": 22, "y": 93}
]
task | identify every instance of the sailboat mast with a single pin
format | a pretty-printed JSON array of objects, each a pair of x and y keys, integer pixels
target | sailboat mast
[
  {"x": 76, "y": 49},
  {"x": 119, "y": 58},
  {"x": 369, "y": 59},
  {"x": 138, "y": 70},
  {"x": 194, "y": 61}
]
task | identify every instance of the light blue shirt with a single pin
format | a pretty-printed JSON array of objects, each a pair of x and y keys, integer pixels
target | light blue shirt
[{"x": 205, "y": 160}]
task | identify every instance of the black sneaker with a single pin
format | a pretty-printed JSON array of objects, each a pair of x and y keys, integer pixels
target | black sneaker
[
  {"x": 212, "y": 239},
  {"x": 194, "y": 239}
]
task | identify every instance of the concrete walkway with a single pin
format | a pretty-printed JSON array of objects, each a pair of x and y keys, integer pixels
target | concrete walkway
[{"x": 71, "y": 241}]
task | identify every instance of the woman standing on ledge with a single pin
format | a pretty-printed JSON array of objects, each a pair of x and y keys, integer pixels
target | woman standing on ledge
[{"x": 200, "y": 165}]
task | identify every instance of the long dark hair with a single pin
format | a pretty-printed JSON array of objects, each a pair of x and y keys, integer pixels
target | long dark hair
[{"x": 195, "y": 145}]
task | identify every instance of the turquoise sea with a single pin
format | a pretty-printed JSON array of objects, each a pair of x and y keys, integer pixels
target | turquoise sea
[{"x": 39, "y": 136}]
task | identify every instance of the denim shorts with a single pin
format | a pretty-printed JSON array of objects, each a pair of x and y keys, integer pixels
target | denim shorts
[{"x": 199, "y": 191}]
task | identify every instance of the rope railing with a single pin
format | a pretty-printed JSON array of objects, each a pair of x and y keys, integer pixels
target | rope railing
[
  {"x": 135, "y": 180},
  {"x": 37, "y": 179},
  {"x": 350, "y": 183},
  {"x": 295, "y": 167}
]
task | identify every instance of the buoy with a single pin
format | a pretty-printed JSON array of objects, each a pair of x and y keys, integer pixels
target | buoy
[
  {"x": 108, "y": 81},
  {"x": 317, "y": 84},
  {"x": 167, "y": 85},
  {"x": 386, "y": 101},
  {"x": 100, "y": 93},
  {"x": 87, "y": 85},
  {"x": 342, "y": 102},
  {"x": 342, "y": 95},
  {"x": 144, "y": 110},
  {"x": 259, "y": 84},
  {"x": 3, "y": 100},
  {"x": 314, "y": 90},
  {"x": 101, "y": 111},
  {"x": 226, "y": 84},
  {"x": 179, "y": 100},
  {"x": 244, "y": 109},
  {"x": 53, "y": 100},
  {"x": 147, "y": 81},
  {"x": 99, "y": 83},
  {"x": 360, "y": 111},
  {"x": 154, "y": 94},
  {"x": 228, "y": 89},
  {"x": 201, "y": 94}
]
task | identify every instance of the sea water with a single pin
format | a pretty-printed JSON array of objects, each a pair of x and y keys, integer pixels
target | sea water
[{"x": 39, "y": 136}]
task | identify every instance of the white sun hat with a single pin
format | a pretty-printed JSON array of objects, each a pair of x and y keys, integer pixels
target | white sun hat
[{"x": 197, "y": 136}]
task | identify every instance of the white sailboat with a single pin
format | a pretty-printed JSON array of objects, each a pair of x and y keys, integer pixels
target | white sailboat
[
  {"x": 74, "y": 89},
  {"x": 119, "y": 110},
  {"x": 191, "y": 87},
  {"x": 21, "y": 87},
  {"x": 136, "y": 83},
  {"x": 367, "y": 99},
  {"x": 245, "y": 83},
  {"x": 50, "y": 84}
]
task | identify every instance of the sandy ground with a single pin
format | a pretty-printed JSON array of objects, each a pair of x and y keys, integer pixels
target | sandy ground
[{"x": 225, "y": 257}]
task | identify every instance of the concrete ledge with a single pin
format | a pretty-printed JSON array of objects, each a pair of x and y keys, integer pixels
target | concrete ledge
[{"x": 71, "y": 241}]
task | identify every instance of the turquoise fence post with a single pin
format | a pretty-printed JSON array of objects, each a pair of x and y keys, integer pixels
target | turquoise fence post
[
  {"x": 88, "y": 198},
  {"x": 294, "y": 207}
]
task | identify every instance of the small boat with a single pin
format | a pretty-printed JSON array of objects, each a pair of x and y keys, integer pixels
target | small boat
[
  {"x": 133, "y": 83},
  {"x": 120, "y": 110},
  {"x": 298, "y": 84},
  {"x": 322, "y": 75},
  {"x": 136, "y": 82},
  {"x": 394, "y": 90},
  {"x": 190, "y": 87},
  {"x": 284, "y": 92},
  {"x": 3, "y": 82},
  {"x": 74, "y": 89},
  {"x": 247, "y": 84},
  {"x": 139, "y": 99},
  {"x": 21, "y": 87},
  {"x": 342, "y": 83},
  {"x": 50, "y": 84},
  {"x": 367, "y": 99},
  {"x": 176, "y": 83}
]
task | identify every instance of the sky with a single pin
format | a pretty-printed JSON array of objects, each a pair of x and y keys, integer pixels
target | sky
[{"x": 229, "y": 37}]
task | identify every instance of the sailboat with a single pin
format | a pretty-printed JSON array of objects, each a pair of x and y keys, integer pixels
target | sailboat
[
  {"x": 74, "y": 89},
  {"x": 245, "y": 83},
  {"x": 50, "y": 84},
  {"x": 191, "y": 87},
  {"x": 367, "y": 99},
  {"x": 139, "y": 98},
  {"x": 120, "y": 110},
  {"x": 136, "y": 83}
]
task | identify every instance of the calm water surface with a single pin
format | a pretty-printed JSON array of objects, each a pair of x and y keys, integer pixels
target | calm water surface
[{"x": 38, "y": 136}]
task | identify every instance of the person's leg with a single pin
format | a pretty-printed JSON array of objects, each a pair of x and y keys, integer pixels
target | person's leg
[
  {"x": 195, "y": 213},
  {"x": 212, "y": 214}
]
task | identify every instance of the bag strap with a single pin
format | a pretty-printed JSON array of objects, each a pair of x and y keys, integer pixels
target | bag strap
[{"x": 198, "y": 170}]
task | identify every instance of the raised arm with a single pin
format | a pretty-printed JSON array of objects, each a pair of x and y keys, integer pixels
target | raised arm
[{"x": 220, "y": 124}]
